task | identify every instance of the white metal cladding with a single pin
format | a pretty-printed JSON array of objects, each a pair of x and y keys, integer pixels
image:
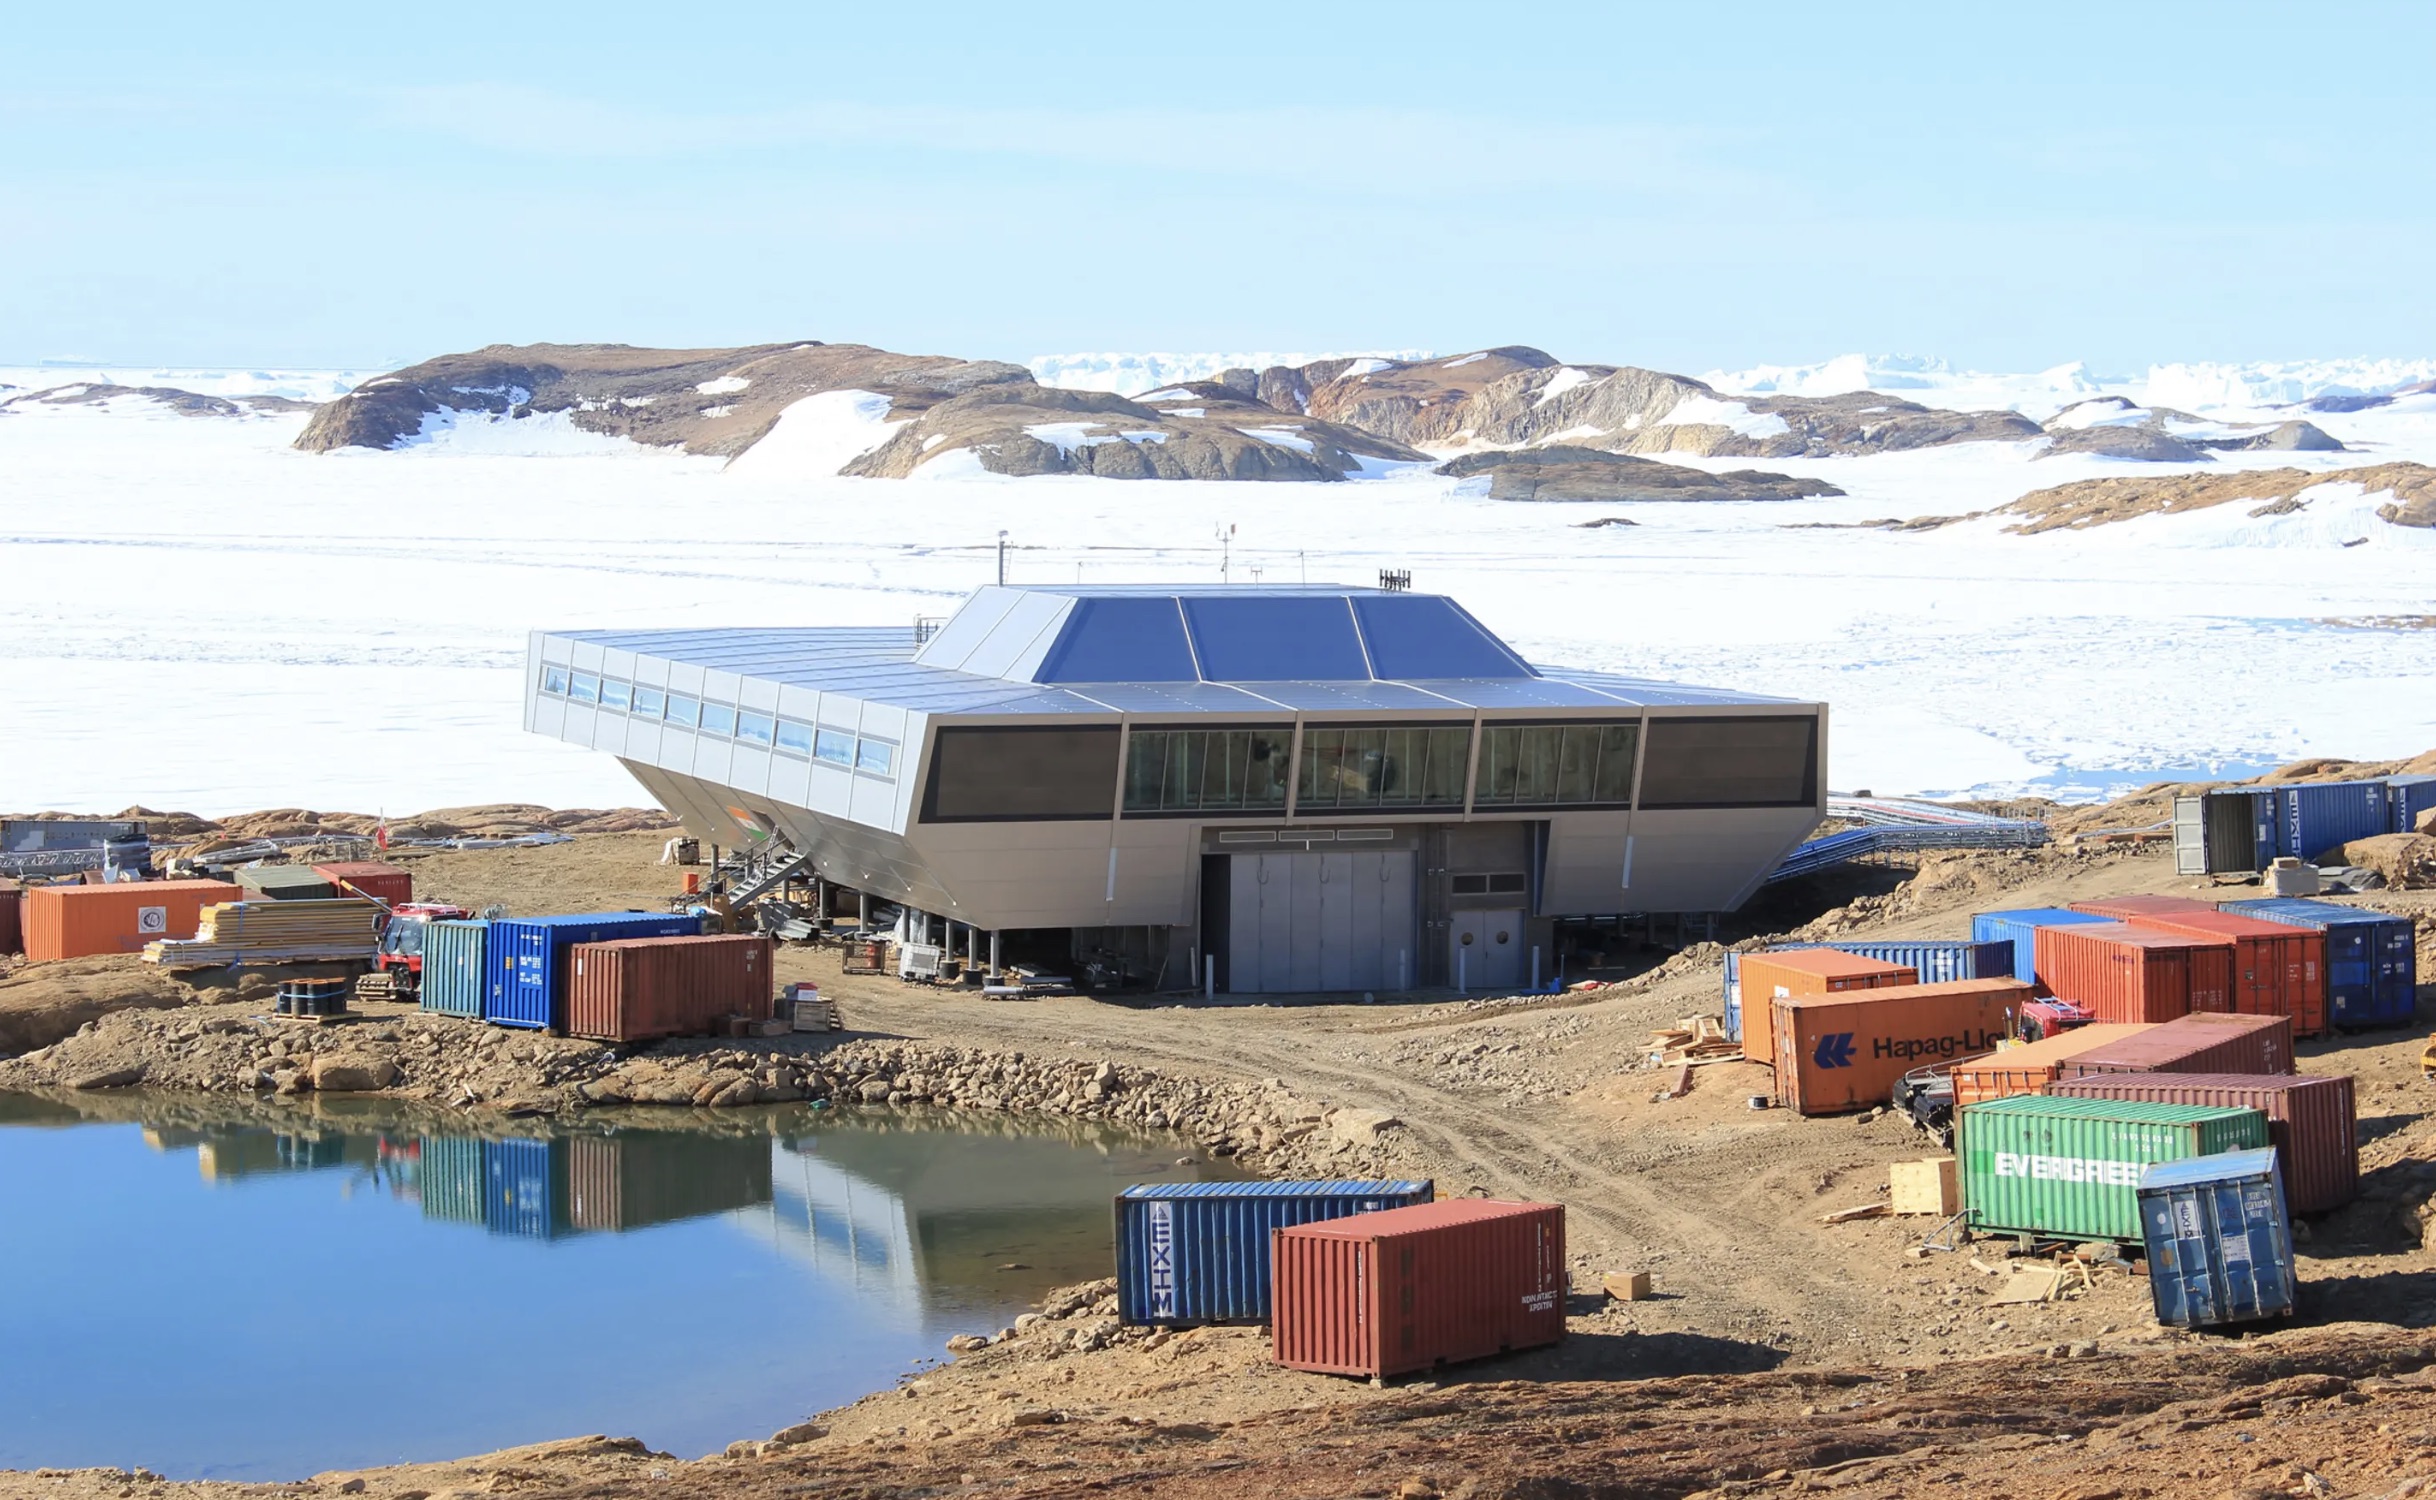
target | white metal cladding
[{"x": 1301, "y": 921}]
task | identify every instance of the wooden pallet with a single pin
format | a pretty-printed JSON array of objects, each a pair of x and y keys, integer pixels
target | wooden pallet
[{"x": 1694, "y": 1040}]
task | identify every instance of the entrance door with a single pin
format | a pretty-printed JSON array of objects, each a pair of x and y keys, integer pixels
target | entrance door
[
  {"x": 1313, "y": 922},
  {"x": 1487, "y": 949}
]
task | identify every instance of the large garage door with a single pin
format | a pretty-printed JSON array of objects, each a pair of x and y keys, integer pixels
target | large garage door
[{"x": 1301, "y": 922}]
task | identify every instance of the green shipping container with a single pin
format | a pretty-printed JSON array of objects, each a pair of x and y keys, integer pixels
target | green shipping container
[
  {"x": 2070, "y": 1168},
  {"x": 285, "y": 883},
  {"x": 449, "y": 1172}
]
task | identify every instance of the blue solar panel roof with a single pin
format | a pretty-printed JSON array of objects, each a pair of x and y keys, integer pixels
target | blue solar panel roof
[{"x": 1274, "y": 638}]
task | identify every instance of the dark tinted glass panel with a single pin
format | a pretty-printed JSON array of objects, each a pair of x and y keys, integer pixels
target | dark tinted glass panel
[
  {"x": 1018, "y": 774},
  {"x": 1415, "y": 635},
  {"x": 1206, "y": 770},
  {"x": 1120, "y": 640},
  {"x": 1359, "y": 766},
  {"x": 1770, "y": 762},
  {"x": 1273, "y": 639},
  {"x": 1556, "y": 765}
]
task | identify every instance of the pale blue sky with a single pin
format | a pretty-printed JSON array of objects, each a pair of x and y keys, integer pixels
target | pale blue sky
[{"x": 1684, "y": 185}]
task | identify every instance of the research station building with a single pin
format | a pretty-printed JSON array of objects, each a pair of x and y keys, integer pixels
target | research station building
[{"x": 1272, "y": 789}]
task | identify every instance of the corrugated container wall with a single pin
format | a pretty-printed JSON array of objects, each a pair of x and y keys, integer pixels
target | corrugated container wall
[
  {"x": 2372, "y": 962},
  {"x": 2411, "y": 798},
  {"x": 12, "y": 923},
  {"x": 637, "y": 988},
  {"x": 1413, "y": 1288},
  {"x": 2020, "y": 927},
  {"x": 2070, "y": 1168},
  {"x": 2219, "y": 1240},
  {"x": 448, "y": 1173},
  {"x": 1936, "y": 962},
  {"x": 2278, "y": 969},
  {"x": 1198, "y": 1252},
  {"x": 2124, "y": 908},
  {"x": 637, "y": 1178},
  {"x": 2311, "y": 1121},
  {"x": 525, "y": 1186},
  {"x": 2193, "y": 1044},
  {"x": 453, "y": 971},
  {"x": 2124, "y": 973},
  {"x": 527, "y": 959},
  {"x": 2316, "y": 819},
  {"x": 1783, "y": 972},
  {"x": 2031, "y": 1067},
  {"x": 76, "y": 921},
  {"x": 387, "y": 884},
  {"x": 285, "y": 883},
  {"x": 1840, "y": 1052}
]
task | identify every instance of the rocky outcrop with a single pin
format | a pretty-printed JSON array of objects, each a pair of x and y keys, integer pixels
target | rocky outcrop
[
  {"x": 169, "y": 398},
  {"x": 1570, "y": 473},
  {"x": 2098, "y": 502},
  {"x": 2140, "y": 444},
  {"x": 708, "y": 401},
  {"x": 1207, "y": 430},
  {"x": 2283, "y": 437},
  {"x": 2116, "y": 427}
]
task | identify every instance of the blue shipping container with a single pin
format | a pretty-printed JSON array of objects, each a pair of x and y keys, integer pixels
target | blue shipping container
[
  {"x": 1198, "y": 1252},
  {"x": 2408, "y": 797},
  {"x": 452, "y": 967},
  {"x": 525, "y": 1189},
  {"x": 2020, "y": 927},
  {"x": 1940, "y": 961},
  {"x": 527, "y": 962},
  {"x": 2219, "y": 1239},
  {"x": 2372, "y": 959},
  {"x": 2313, "y": 819}
]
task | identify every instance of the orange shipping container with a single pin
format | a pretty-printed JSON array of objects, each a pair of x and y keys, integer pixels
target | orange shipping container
[
  {"x": 2126, "y": 974},
  {"x": 76, "y": 921},
  {"x": 386, "y": 884},
  {"x": 2030, "y": 1068},
  {"x": 2277, "y": 970},
  {"x": 1784, "y": 973},
  {"x": 1840, "y": 1052},
  {"x": 2126, "y": 908}
]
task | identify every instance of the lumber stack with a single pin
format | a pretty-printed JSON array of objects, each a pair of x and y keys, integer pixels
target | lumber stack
[
  {"x": 1694, "y": 1040},
  {"x": 274, "y": 932}
]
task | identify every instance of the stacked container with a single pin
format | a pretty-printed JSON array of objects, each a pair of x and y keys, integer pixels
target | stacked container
[
  {"x": 1783, "y": 972},
  {"x": 453, "y": 971},
  {"x": 2311, "y": 1121},
  {"x": 1847, "y": 1051},
  {"x": 2219, "y": 1240},
  {"x": 387, "y": 884},
  {"x": 285, "y": 883},
  {"x": 2020, "y": 928},
  {"x": 1413, "y": 1288},
  {"x": 2123, "y": 973},
  {"x": 2372, "y": 963},
  {"x": 2031, "y": 1067},
  {"x": 2070, "y": 1168},
  {"x": 2129, "y": 908},
  {"x": 76, "y": 921},
  {"x": 1198, "y": 1252},
  {"x": 2278, "y": 969},
  {"x": 2193, "y": 1044},
  {"x": 634, "y": 989},
  {"x": 1935, "y": 961},
  {"x": 527, "y": 960}
]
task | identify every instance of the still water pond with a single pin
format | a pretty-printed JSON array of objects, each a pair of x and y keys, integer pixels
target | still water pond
[{"x": 240, "y": 1292}]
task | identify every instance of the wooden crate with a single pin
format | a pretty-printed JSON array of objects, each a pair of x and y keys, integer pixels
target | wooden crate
[{"x": 1926, "y": 1187}]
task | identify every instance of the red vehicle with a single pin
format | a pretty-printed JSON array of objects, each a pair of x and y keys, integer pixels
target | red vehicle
[
  {"x": 397, "y": 972},
  {"x": 2046, "y": 1018}
]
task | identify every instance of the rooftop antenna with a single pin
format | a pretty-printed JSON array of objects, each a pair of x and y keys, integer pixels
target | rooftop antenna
[
  {"x": 1304, "y": 559},
  {"x": 1226, "y": 553},
  {"x": 1395, "y": 580},
  {"x": 1002, "y": 559}
]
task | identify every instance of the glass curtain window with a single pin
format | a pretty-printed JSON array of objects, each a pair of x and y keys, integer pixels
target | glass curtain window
[
  {"x": 718, "y": 718},
  {"x": 876, "y": 756},
  {"x": 616, "y": 694},
  {"x": 834, "y": 746},
  {"x": 585, "y": 688},
  {"x": 683, "y": 710},
  {"x": 554, "y": 681},
  {"x": 1206, "y": 770},
  {"x": 1556, "y": 765},
  {"x": 756, "y": 728},
  {"x": 794, "y": 738},
  {"x": 1384, "y": 766},
  {"x": 650, "y": 703}
]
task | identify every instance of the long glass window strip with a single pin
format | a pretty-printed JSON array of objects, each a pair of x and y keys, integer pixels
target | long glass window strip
[
  {"x": 616, "y": 694},
  {"x": 755, "y": 729},
  {"x": 1207, "y": 770},
  {"x": 876, "y": 756},
  {"x": 1383, "y": 766},
  {"x": 585, "y": 688},
  {"x": 1556, "y": 765},
  {"x": 718, "y": 718},
  {"x": 649, "y": 703},
  {"x": 834, "y": 746},
  {"x": 794, "y": 738},
  {"x": 683, "y": 710}
]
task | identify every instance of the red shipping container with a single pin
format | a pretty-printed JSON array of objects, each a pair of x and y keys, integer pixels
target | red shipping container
[
  {"x": 386, "y": 884},
  {"x": 2212, "y": 1043},
  {"x": 2124, "y": 973},
  {"x": 77, "y": 921},
  {"x": 2312, "y": 1122},
  {"x": 2124, "y": 908},
  {"x": 637, "y": 988},
  {"x": 1409, "y": 1289},
  {"x": 2278, "y": 970},
  {"x": 1783, "y": 973}
]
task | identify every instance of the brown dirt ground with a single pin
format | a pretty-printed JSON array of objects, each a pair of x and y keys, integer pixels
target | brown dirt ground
[{"x": 1724, "y": 1376}]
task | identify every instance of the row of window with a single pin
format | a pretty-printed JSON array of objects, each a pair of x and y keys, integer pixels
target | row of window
[
  {"x": 837, "y": 747},
  {"x": 1350, "y": 768}
]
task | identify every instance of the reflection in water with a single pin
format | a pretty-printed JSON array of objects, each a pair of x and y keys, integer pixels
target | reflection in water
[{"x": 850, "y": 1244}]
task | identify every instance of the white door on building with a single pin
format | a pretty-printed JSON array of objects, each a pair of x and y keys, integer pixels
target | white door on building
[
  {"x": 1303, "y": 922},
  {"x": 1487, "y": 949}
]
